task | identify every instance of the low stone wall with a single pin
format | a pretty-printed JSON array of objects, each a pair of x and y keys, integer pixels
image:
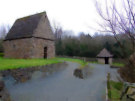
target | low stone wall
[
  {"x": 128, "y": 93},
  {"x": 22, "y": 75}
]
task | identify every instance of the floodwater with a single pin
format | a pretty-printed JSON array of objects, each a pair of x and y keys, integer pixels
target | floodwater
[{"x": 63, "y": 86}]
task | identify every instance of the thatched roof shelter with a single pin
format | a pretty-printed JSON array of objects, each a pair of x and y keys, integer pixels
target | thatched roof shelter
[
  {"x": 104, "y": 53},
  {"x": 105, "y": 57}
]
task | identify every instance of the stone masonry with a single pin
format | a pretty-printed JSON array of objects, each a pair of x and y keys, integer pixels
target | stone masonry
[{"x": 28, "y": 38}]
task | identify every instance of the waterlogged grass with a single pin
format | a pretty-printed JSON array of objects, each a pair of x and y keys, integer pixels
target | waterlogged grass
[
  {"x": 23, "y": 63},
  {"x": 81, "y": 62},
  {"x": 118, "y": 64}
]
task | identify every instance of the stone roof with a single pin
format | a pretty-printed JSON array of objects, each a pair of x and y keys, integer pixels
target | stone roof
[
  {"x": 24, "y": 27},
  {"x": 104, "y": 53}
]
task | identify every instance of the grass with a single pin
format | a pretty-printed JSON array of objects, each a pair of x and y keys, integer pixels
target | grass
[
  {"x": 24, "y": 63},
  {"x": 116, "y": 85},
  {"x": 115, "y": 92},
  {"x": 81, "y": 62},
  {"x": 118, "y": 64},
  {"x": 95, "y": 62}
]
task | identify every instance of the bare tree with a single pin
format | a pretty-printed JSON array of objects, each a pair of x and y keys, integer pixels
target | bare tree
[
  {"x": 58, "y": 31},
  {"x": 4, "y": 30},
  {"x": 118, "y": 19}
]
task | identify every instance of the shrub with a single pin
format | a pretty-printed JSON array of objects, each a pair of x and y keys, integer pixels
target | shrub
[
  {"x": 1, "y": 54},
  {"x": 128, "y": 72}
]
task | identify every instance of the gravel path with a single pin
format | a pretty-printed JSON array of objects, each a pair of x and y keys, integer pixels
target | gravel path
[{"x": 64, "y": 86}]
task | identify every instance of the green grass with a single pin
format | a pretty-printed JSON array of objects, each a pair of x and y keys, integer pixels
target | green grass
[
  {"x": 23, "y": 63},
  {"x": 81, "y": 62},
  {"x": 115, "y": 92},
  {"x": 116, "y": 85},
  {"x": 118, "y": 64}
]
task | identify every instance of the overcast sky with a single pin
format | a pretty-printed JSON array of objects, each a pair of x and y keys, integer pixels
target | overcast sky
[{"x": 76, "y": 15}]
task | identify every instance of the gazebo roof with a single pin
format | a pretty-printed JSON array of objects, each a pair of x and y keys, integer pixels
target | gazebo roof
[{"x": 104, "y": 53}]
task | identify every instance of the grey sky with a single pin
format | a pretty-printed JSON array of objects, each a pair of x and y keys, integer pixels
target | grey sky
[{"x": 76, "y": 15}]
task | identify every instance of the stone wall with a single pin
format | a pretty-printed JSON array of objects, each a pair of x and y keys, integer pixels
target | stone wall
[
  {"x": 102, "y": 60},
  {"x": 44, "y": 29},
  {"x": 38, "y": 48},
  {"x": 20, "y": 48},
  {"x": 110, "y": 61},
  {"x": 28, "y": 48}
]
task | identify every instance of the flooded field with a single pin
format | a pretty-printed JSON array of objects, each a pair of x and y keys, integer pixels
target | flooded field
[{"x": 62, "y": 86}]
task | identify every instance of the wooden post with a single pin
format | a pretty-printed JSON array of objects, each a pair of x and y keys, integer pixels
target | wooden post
[{"x": 108, "y": 83}]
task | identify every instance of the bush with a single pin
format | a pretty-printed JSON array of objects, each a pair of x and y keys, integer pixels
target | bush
[{"x": 128, "y": 72}]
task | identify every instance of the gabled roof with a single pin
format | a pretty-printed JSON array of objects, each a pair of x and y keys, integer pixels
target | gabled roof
[
  {"x": 24, "y": 27},
  {"x": 104, "y": 53}
]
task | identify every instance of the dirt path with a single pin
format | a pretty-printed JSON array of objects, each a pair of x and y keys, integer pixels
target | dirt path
[{"x": 64, "y": 86}]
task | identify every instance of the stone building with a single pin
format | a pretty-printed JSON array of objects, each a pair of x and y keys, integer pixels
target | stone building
[
  {"x": 30, "y": 37},
  {"x": 105, "y": 57}
]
